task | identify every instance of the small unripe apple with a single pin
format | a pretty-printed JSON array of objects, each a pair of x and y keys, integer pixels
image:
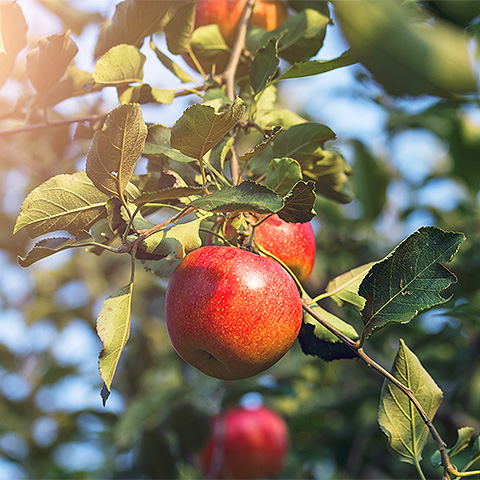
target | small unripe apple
[
  {"x": 245, "y": 444},
  {"x": 230, "y": 313},
  {"x": 292, "y": 243},
  {"x": 267, "y": 14}
]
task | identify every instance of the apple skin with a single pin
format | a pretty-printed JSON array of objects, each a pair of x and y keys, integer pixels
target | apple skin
[
  {"x": 292, "y": 243},
  {"x": 230, "y": 313},
  {"x": 245, "y": 444},
  {"x": 267, "y": 14}
]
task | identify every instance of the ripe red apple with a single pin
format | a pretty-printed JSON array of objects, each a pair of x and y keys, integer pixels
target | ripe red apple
[
  {"x": 267, "y": 14},
  {"x": 246, "y": 444},
  {"x": 292, "y": 243},
  {"x": 230, "y": 313}
]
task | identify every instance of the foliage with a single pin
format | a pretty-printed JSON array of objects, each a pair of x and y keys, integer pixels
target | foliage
[{"x": 138, "y": 193}]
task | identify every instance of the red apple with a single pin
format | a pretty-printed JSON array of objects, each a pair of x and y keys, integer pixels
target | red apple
[
  {"x": 230, "y": 313},
  {"x": 246, "y": 444},
  {"x": 292, "y": 243},
  {"x": 267, "y": 14}
]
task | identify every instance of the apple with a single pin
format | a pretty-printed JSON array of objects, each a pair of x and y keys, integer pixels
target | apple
[
  {"x": 267, "y": 14},
  {"x": 244, "y": 444},
  {"x": 292, "y": 243},
  {"x": 231, "y": 313}
]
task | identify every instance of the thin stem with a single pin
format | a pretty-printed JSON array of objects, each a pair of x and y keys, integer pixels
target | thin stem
[
  {"x": 196, "y": 62},
  {"x": 419, "y": 470},
  {"x": 333, "y": 292},
  {"x": 59, "y": 123}
]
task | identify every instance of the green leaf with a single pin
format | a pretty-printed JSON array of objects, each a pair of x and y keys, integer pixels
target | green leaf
[
  {"x": 158, "y": 143},
  {"x": 464, "y": 437},
  {"x": 409, "y": 279},
  {"x": 13, "y": 37},
  {"x": 395, "y": 52},
  {"x": 282, "y": 174},
  {"x": 172, "y": 193},
  {"x": 208, "y": 43},
  {"x": 177, "y": 239},
  {"x": 48, "y": 246},
  {"x": 397, "y": 416},
  {"x": 180, "y": 28},
  {"x": 246, "y": 157},
  {"x": 134, "y": 20},
  {"x": 145, "y": 94},
  {"x": 113, "y": 328},
  {"x": 343, "y": 289},
  {"x": 47, "y": 63},
  {"x": 115, "y": 149},
  {"x": 302, "y": 142},
  {"x": 173, "y": 67},
  {"x": 264, "y": 66},
  {"x": 199, "y": 128},
  {"x": 316, "y": 340},
  {"x": 64, "y": 202},
  {"x": 121, "y": 65},
  {"x": 317, "y": 67},
  {"x": 476, "y": 449},
  {"x": 299, "y": 202},
  {"x": 245, "y": 197}
]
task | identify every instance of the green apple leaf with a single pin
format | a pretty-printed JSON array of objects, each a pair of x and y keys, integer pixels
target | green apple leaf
[
  {"x": 145, "y": 94},
  {"x": 134, "y": 20},
  {"x": 113, "y": 328},
  {"x": 397, "y": 416},
  {"x": 171, "y": 193},
  {"x": 409, "y": 279},
  {"x": 48, "y": 246},
  {"x": 13, "y": 37},
  {"x": 168, "y": 63},
  {"x": 158, "y": 143},
  {"x": 199, "y": 128},
  {"x": 476, "y": 450},
  {"x": 177, "y": 239},
  {"x": 246, "y": 157},
  {"x": 115, "y": 149},
  {"x": 179, "y": 30},
  {"x": 302, "y": 142},
  {"x": 316, "y": 340},
  {"x": 298, "y": 203},
  {"x": 264, "y": 66},
  {"x": 344, "y": 288},
  {"x": 47, "y": 63},
  {"x": 282, "y": 175},
  {"x": 208, "y": 43},
  {"x": 64, "y": 202},
  {"x": 245, "y": 197},
  {"x": 317, "y": 67},
  {"x": 464, "y": 437},
  {"x": 121, "y": 65},
  {"x": 162, "y": 268}
]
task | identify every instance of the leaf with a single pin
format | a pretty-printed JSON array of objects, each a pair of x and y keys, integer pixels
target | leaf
[
  {"x": 264, "y": 66},
  {"x": 344, "y": 288},
  {"x": 199, "y": 128},
  {"x": 395, "y": 52},
  {"x": 180, "y": 28},
  {"x": 158, "y": 143},
  {"x": 302, "y": 142},
  {"x": 113, "y": 328},
  {"x": 397, "y": 416},
  {"x": 173, "y": 193},
  {"x": 115, "y": 149},
  {"x": 246, "y": 157},
  {"x": 48, "y": 246},
  {"x": 64, "y": 202},
  {"x": 299, "y": 202},
  {"x": 245, "y": 197},
  {"x": 47, "y": 63},
  {"x": 145, "y": 94},
  {"x": 13, "y": 37},
  {"x": 178, "y": 240},
  {"x": 282, "y": 174},
  {"x": 208, "y": 44},
  {"x": 173, "y": 67},
  {"x": 317, "y": 67},
  {"x": 409, "y": 279},
  {"x": 464, "y": 437},
  {"x": 134, "y": 20},
  {"x": 121, "y": 65}
]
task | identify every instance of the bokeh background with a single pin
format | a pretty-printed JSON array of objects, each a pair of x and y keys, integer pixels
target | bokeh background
[{"x": 415, "y": 162}]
